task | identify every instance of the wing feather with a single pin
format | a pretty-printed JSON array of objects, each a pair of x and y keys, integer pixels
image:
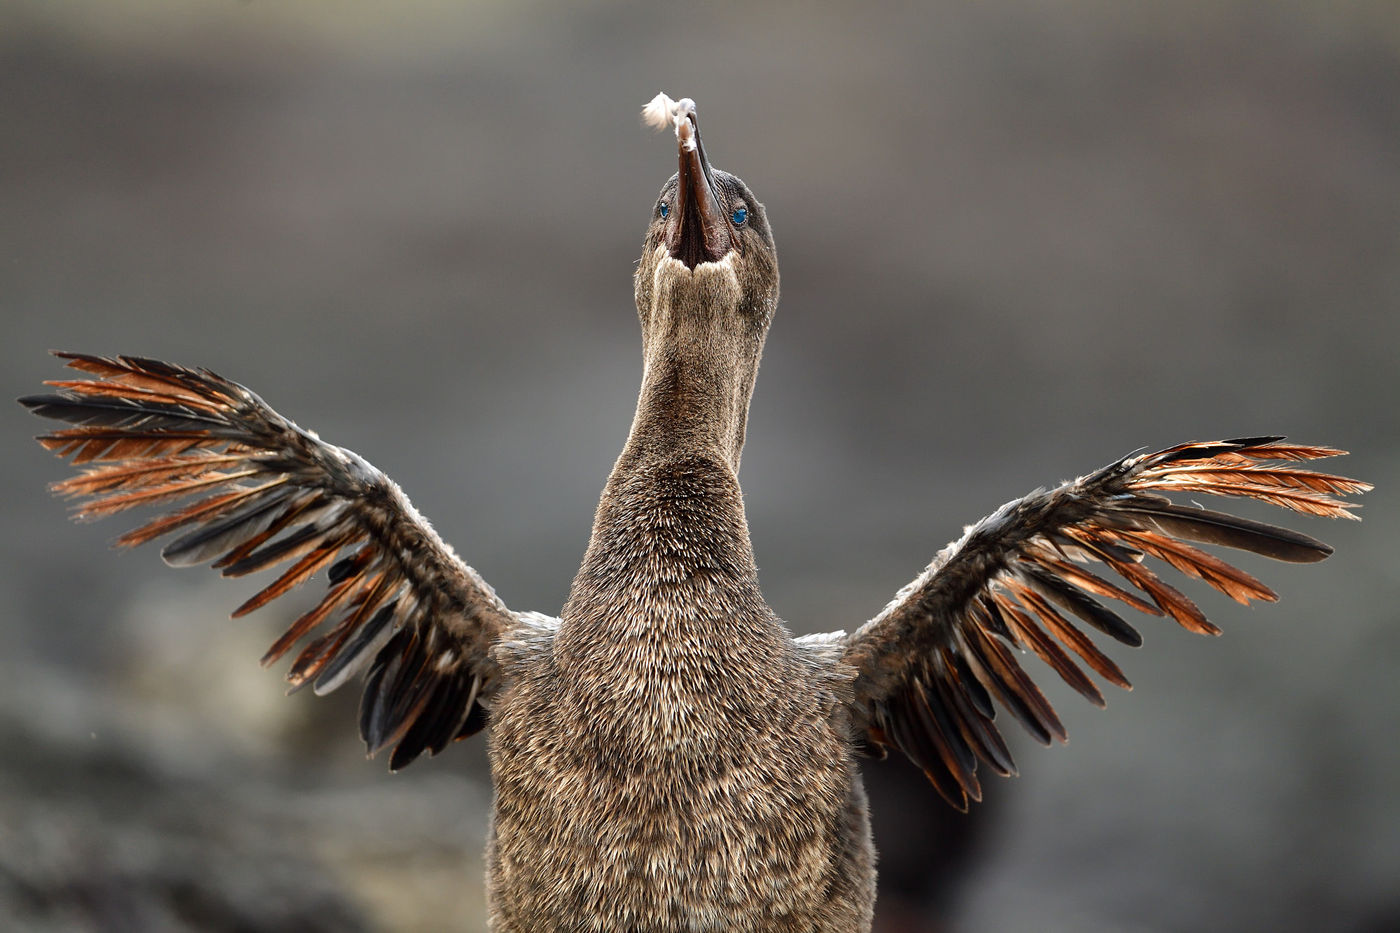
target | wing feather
[
  {"x": 256, "y": 491},
  {"x": 929, "y": 666}
]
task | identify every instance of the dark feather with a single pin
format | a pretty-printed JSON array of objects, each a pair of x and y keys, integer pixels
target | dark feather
[
  {"x": 305, "y": 507},
  {"x": 322, "y": 552},
  {"x": 442, "y": 716},
  {"x": 1002, "y": 676},
  {"x": 117, "y": 412},
  {"x": 319, "y": 653},
  {"x": 1210, "y": 527},
  {"x": 955, "y": 754},
  {"x": 1031, "y": 635},
  {"x": 969, "y": 685},
  {"x": 913, "y": 742},
  {"x": 285, "y": 548},
  {"x": 206, "y": 509},
  {"x": 1073, "y": 638},
  {"x": 978, "y": 731},
  {"x": 1198, "y": 451},
  {"x": 1093, "y": 583},
  {"x": 1075, "y": 602},
  {"x": 477, "y": 720},
  {"x": 215, "y": 538},
  {"x": 362, "y": 647}
]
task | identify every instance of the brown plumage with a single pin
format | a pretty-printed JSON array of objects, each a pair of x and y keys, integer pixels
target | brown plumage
[{"x": 666, "y": 756}]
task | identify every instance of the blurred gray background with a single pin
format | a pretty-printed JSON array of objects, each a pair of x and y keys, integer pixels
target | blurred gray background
[{"x": 1018, "y": 240}]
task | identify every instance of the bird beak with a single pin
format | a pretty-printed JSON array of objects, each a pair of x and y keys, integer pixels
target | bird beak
[{"x": 697, "y": 230}]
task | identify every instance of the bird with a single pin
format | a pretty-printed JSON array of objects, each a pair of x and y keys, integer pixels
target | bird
[{"x": 666, "y": 755}]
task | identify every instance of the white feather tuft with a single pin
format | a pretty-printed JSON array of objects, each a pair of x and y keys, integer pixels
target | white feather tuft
[{"x": 662, "y": 112}]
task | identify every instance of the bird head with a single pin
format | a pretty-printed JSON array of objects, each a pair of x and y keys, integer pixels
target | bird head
[
  {"x": 708, "y": 254},
  {"x": 707, "y": 284}
]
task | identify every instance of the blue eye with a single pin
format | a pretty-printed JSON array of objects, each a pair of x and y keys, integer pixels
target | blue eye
[
  {"x": 664, "y": 209},
  {"x": 739, "y": 216}
]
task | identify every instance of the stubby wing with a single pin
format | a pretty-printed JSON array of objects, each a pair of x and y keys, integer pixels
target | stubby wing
[
  {"x": 255, "y": 491},
  {"x": 933, "y": 666}
]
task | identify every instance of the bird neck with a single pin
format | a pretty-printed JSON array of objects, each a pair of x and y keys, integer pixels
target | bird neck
[
  {"x": 673, "y": 499},
  {"x": 669, "y": 555},
  {"x": 692, "y": 404}
]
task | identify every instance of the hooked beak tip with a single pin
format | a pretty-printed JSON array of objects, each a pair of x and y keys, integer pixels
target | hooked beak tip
[{"x": 698, "y": 232}]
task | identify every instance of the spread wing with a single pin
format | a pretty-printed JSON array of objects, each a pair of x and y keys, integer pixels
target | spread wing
[
  {"x": 266, "y": 492},
  {"x": 932, "y": 663}
]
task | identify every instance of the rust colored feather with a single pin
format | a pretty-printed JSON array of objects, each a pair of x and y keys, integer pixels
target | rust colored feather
[
  {"x": 143, "y": 390},
  {"x": 138, "y": 446},
  {"x": 1307, "y": 502},
  {"x": 292, "y": 511},
  {"x": 86, "y": 445},
  {"x": 319, "y": 653},
  {"x": 1018, "y": 692},
  {"x": 120, "y": 371},
  {"x": 954, "y": 665},
  {"x": 259, "y": 491},
  {"x": 1235, "y": 451},
  {"x": 124, "y": 475},
  {"x": 956, "y": 757},
  {"x": 288, "y": 547},
  {"x": 1016, "y": 578},
  {"x": 1280, "y": 451},
  {"x": 309, "y": 620},
  {"x": 1092, "y": 582},
  {"x": 202, "y": 510},
  {"x": 153, "y": 375},
  {"x": 1175, "y": 603},
  {"x": 1071, "y": 637},
  {"x": 108, "y": 505},
  {"x": 1194, "y": 562},
  {"x": 1212, "y": 473},
  {"x": 303, "y": 570},
  {"x": 978, "y": 731},
  {"x": 1031, "y": 634}
]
